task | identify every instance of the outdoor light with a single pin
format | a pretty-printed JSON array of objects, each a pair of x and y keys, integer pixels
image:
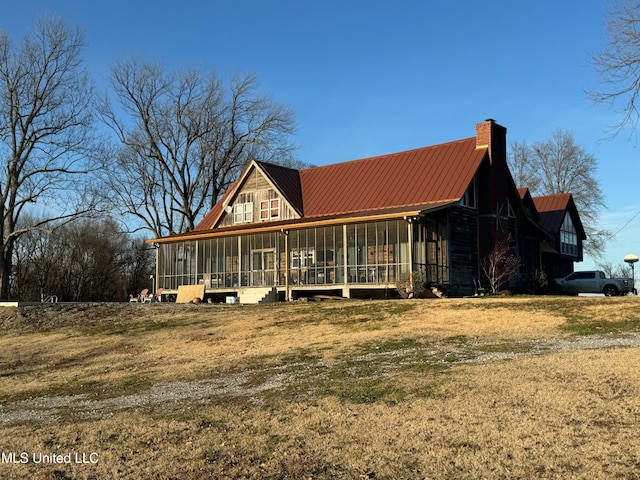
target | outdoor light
[{"x": 631, "y": 259}]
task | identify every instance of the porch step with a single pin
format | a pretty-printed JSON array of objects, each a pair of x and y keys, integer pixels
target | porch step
[{"x": 258, "y": 295}]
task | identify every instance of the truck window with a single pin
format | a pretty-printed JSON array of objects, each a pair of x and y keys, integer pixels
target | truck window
[{"x": 585, "y": 275}]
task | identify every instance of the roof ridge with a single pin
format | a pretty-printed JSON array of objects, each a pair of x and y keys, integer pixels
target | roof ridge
[
  {"x": 552, "y": 195},
  {"x": 391, "y": 154}
]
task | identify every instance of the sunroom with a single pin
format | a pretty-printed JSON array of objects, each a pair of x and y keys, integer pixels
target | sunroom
[{"x": 346, "y": 259}]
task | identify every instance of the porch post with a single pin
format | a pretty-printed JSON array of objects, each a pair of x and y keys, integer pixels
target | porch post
[
  {"x": 156, "y": 246},
  {"x": 239, "y": 262},
  {"x": 410, "y": 245},
  {"x": 345, "y": 288},
  {"x": 286, "y": 264}
]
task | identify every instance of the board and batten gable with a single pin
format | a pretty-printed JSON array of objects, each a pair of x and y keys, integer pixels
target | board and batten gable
[{"x": 256, "y": 200}]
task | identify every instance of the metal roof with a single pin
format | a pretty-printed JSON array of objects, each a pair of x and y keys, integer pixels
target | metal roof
[
  {"x": 552, "y": 209},
  {"x": 287, "y": 181},
  {"x": 407, "y": 180},
  {"x": 421, "y": 176}
]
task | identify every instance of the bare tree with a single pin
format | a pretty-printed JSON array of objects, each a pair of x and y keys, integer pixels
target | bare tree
[
  {"x": 618, "y": 64},
  {"x": 615, "y": 270},
  {"x": 560, "y": 165},
  {"x": 500, "y": 265},
  {"x": 37, "y": 263},
  {"x": 45, "y": 132},
  {"x": 185, "y": 138},
  {"x": 85, "y": 260},
  {"x": 523, "y": 166}
]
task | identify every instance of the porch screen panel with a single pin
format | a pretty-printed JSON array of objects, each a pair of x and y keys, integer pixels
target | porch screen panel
[
  {"x": 352, "y": 266},
  {"x": 420, "y": 263},
  {"x": 296, "y": 260},
  {"x": 177, "y": 264},
  {"x": 231, "y": 262},
  {"x": 311, "y": 257},
  {"x": 245, "y": 261},
  {"x": 315, "y": 256},
  {"x": 392, "y": 239},
  {"x": 377, "y": 252},
  {"x": 339, "y": 241},
  {"x": 317, "y": 271},
  {"x": 383, "y": 249},
  {"x": 259, "y": 257},
  {"x": 403, "y": 247},
  {"x": 203, "y": 248},
  {"x": 282, "y": 255},
  {"x": 328, "y": 260},
  {"x": 217, "y": 263},
  {"x": 167, "y": 254}
]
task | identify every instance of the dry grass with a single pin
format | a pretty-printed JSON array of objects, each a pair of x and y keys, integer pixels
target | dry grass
[{"x": 365, "y": 390}]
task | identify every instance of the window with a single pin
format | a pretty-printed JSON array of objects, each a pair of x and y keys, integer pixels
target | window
[
  {"x": 243, "y": 212},
  {"x": 568, "y": 237},
  {"x": 270, "y": 209},
  {"x": 469, "y": 197},
  {"x": 583, "y": 276}
]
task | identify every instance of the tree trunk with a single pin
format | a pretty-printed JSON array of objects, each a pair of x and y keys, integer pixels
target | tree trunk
[{"x": 5, "y": 274}]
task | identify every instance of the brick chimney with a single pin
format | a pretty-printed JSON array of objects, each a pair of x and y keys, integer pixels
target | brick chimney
[
  {"x": 494, "y": 137},
  {"x": 493, "y": 185}
]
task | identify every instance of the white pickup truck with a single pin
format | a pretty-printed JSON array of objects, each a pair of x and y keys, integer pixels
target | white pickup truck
[{"x": 595, "y": 282}]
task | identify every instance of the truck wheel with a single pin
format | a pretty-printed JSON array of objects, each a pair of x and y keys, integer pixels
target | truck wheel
[{"x": 610, "y": 291}]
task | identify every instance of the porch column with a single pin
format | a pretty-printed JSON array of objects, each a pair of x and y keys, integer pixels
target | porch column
[
  {"x": 156, "y": 246},
  {"x": 239, "y": 262},
  {"x": 345, "y": 288},
  {"x": 410, "y": 248},
  {"x": 286, "y": 264}
]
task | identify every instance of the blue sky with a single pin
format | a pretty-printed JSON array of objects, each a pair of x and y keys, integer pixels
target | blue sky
[{"x": 372, "y": 77}]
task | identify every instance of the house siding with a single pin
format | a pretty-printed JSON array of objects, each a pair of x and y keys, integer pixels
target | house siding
[
  {"x": 464, "y": 258},
  {"x": 256, "y": 189}
]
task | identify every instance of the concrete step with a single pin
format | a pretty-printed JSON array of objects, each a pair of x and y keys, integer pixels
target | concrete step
[{"x": 258, "y": 295}]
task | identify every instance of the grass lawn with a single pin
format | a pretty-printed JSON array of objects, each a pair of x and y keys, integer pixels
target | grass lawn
[{"x": 504, "y": 387}]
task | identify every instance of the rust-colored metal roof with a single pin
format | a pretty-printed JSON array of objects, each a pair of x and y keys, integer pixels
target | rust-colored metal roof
[
  {"x": 213, "y": 215},
  {"x": 421, "y": 176},
  {"x": 552, "y": 209},
  {"x": 425, "y": 176},
  {"x": 550, "y": 203}
]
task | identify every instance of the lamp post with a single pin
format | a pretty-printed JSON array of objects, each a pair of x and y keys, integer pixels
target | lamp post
[{"x": 631, "y": 259}]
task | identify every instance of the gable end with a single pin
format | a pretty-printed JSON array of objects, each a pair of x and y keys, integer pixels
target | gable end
[{"x": 256, "y": 200}]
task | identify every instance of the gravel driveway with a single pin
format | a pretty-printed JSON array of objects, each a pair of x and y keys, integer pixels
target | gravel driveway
[{"x": 174, "y": 394}]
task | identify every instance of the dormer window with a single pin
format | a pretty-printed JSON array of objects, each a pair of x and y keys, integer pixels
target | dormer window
[{"x": 270, "y": 209}]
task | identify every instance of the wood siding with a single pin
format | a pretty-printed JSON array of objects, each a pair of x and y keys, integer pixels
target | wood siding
[
  {"x": 256, "y": 189},
  {"x": 463, "y": 249}
]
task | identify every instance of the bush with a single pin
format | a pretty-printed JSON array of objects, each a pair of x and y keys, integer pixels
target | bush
[{"x": 409, "y": 286}]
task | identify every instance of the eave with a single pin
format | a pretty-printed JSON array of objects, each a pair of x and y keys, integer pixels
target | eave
[{"x": 408, "y": 211}]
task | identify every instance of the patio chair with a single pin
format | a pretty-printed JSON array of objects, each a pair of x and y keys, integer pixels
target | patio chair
[
  {"x": 156, "y": 297},
  {"x": 139, "y": 298}
]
